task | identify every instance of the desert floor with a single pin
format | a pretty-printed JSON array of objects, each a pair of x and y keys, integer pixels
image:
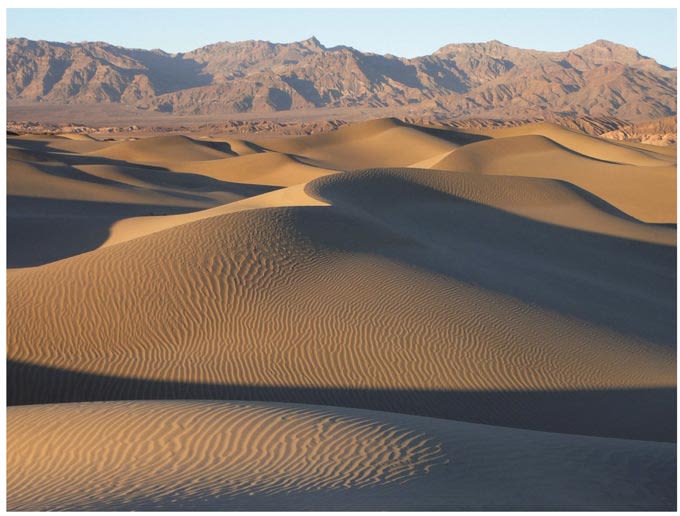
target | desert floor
[{"x": 385, "y": 316}]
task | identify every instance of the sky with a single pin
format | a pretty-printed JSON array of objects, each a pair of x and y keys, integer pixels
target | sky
[{"x": 401, "y": 32}]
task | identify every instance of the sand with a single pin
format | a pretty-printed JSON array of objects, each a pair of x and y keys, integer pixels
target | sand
[
  {"x": 505, "y": 282},
  {"x": 377, "y": 143},
  {"x": 204, "y": 455},
  {"x": 64, "y": 198},
  {"x": 645, "y": 192}
]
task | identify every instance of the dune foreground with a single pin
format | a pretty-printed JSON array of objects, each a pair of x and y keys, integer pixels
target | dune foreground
[
  {"x": 178, "y": 455},
  {"x": 384, "y": 316}
]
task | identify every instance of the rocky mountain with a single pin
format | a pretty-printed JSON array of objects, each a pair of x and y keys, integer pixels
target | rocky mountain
[
  {"x": 655, "y": 132},
  {"x": 602, "y": 79}
]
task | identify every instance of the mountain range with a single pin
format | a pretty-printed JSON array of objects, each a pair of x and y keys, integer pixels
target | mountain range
[{"x": 601, "y": 79}]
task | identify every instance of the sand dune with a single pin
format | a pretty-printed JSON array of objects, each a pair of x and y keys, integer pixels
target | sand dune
[
  {"x": 671, "y": 151},
  {"x": 136, "y": 227},
  {"x": 19, "y": 154},
  {"x": 61, "y": 181},
  {"x": 56, "y": 210},
  {"x": 243, "y": 147},
  {"x": 378, "y": 143},
  {"x": 569, "y": 207},
  {"x": 78, "y": 137},
  {"x": 591, "y": 146},
  {"x": 266, "y": 168},
  {"x": 503, "y": 282},
  {"x": 343, "y": 297},
  {"x": 646, "y": 193},
  {"x": 124, "y": 180},
  {"x": 245, "y": 162},
  {"x": 212, "y": 455},
  {"x": 58, "y": 144},
  {"x": 165, "y": 148},
  {"x": 64, "y": 203},
  {"x": 227, "y": 450}
]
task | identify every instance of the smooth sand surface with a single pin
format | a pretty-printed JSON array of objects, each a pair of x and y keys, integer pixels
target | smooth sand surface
[
  {"x": 377, "y": 143},
  {"x": 645, "y": 192},
  {"x": 165, "y": 148},
  {"x": 591, "y": 146},
  {"x": 522, "y": 279},
  {"x": 262, "y": 168},
  {"x": 209, "y": 455}
]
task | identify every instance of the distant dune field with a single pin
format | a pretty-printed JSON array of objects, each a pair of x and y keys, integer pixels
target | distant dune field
[{"x": 383, "y": 316}]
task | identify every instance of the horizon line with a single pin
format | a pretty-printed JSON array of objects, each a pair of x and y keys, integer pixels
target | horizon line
[{"x": 324, "y": 47}]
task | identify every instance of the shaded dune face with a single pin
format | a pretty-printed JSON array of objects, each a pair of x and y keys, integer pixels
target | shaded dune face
[
  {"x": 150, "y": 454},
  {"x": 63, "y": 198}
]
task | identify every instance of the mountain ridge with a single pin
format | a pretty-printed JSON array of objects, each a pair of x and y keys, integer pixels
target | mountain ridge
[{"x": 488, "y": 79}]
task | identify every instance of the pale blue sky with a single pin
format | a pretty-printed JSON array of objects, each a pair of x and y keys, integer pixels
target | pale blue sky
[{"x": 402, "y": 32}]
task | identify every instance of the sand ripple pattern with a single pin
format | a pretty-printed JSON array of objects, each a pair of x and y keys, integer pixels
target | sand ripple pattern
[
  {"x": 131, "y": 455},
  {"x": 356, "y": 294}
]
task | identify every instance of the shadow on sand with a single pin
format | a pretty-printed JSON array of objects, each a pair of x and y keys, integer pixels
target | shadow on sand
[
  {"x": 42, "y": 230},
  {"x": 647, "y": 414}
]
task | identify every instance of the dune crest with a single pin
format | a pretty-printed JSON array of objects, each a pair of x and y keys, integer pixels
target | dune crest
[
  {"x": 587, "y": 145},
  {"x": 165, "y": 148},
  {"x": 644, "y": 192},
  {"x": 377, "y": 143}
]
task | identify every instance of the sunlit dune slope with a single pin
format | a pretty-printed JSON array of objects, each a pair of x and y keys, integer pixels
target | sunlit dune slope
[
  {"x": 378, "y": 143},
  {"x": 646, "y": 193},
  {"x": 234, "y": 160},
  {"x": 136, "y": 227},
  {"x": 591, "y": 146},
  {"x": 263, "y": 168},
  {"x": 407, "y": 280},
  {"x": 670, "y": 151},
  {"x": 150, "y": 455},
  {"x": 78, "y": 137},
  {"x": 550, "y": 201},
  {"x": 165, "y": 148}
]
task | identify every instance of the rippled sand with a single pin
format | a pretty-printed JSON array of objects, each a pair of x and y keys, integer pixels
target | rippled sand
[{"x": 518, "y": 278}]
